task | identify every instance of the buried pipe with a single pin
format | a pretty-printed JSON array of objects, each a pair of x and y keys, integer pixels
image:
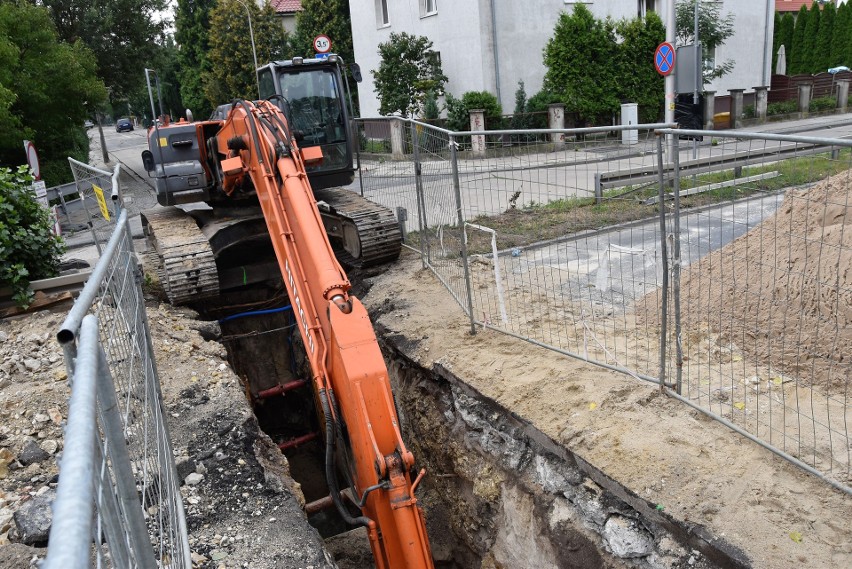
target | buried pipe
[
  {"x": 293, "y": 443},
  {"x": 281, "y": 389}
]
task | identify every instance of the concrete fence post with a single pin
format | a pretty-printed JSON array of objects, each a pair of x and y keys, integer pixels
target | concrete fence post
[
  {"x": 761, "y": 100},
  {"x": 477, "y": 141},
  {"x": 843, "y": 95},
  {"x": 805, "y": 90},
  {"x": 556, "y": 120},
  {"x": 709, "y": 109},
  {"x": 397, "y": 140},
  {"x": 736, "y": 107}
]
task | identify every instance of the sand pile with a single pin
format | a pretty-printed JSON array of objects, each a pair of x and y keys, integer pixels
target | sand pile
[{"x": 783, "y": 292}]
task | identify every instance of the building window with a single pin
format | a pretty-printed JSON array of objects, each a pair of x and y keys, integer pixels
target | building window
[
  {"x": 382, "y": 18},
  {"x": 428, "y": 8},
  {"x": 645, "y": 7}
]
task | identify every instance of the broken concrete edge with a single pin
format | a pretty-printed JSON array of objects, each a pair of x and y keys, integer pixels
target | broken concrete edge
[{"x": 689, "y": 535}]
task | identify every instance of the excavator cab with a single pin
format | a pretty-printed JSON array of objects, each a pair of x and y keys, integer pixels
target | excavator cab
[{"x": 313, "y": 96}]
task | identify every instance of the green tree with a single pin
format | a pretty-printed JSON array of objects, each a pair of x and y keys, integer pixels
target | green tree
[
  {"x": 120, "y": 33},
  {"x": 810, "y": 59},
  {"x": 840, "y": 36},
  {"x": 796, "y": 57},
  {"x": 327, "y": 17},
  {"x": 788, "y": 26},
  {"x": 590, "y": 90},
  {"x": 28, "y": 249},
  {"x": 640, "y": 83},
  {"x": 713, "y": 29},
  {"x": 232, "y": 73},
  {"x": 192, "y": 28},
  {"x": 47, "y": 88},
  {"x": 408, "y": 72},
  {"x": 822, "y": 55}
]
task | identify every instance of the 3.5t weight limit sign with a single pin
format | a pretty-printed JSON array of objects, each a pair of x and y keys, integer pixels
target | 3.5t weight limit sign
[{"x": 322, "y": 44}]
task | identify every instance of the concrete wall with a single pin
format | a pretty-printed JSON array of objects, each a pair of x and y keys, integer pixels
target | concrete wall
[
  {"x": 750, "y": 47},
  {"x": 462, "y": 33}
]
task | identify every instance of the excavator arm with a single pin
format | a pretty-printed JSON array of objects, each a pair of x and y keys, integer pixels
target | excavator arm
[{"x": 255, "y": 146}]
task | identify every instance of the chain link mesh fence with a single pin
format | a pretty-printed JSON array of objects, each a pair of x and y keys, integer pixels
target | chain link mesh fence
[{"x": 721, "y": 270}]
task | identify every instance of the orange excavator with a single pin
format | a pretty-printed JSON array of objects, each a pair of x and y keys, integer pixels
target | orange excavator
[{"x": 255, "y": 153}]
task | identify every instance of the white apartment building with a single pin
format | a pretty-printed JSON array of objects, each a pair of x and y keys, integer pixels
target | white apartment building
[{"x": 490, "y": 45}]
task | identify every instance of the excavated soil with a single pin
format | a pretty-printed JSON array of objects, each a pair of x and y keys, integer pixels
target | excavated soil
[
  {"x": 692, "y": 468},
  {"x": 783, "y": 291}
]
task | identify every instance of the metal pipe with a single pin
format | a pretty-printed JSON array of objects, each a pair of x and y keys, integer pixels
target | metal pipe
[
  {"x": 253, "y": 50},
  {"x": 676, "y": 266},
  {"x": 665, "y": 260},
  {"x": 454, "y": 157},
  {"x": 495, "y": 50},
  {"x": 72, "y": 322},
  {"x": 254, "y": 313},
  {"x": 293, "y": 443},
  {"x": 281, "y": 389},
  {"x": 75, "y": 501},
  {"x": 671, "y": 25},
  {"x": 418, "y": 186},
  {"x": 815, "y": 140}
]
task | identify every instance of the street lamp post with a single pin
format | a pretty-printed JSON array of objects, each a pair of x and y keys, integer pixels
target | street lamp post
[{"x": 253, "y": 50}]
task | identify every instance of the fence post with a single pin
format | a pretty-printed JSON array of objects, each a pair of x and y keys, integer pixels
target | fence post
[
  {"x": 805, "y": 98},
  {"x": 843, "y": 94},
  {"x": 709, "y": 109},
  {"x": 761, "y": 98},
  {"x": 418, "y": 185},
  {"x": 397, "y": 143},
  {"x": 477, "y": 141},
  {"x": 598, "y": 188},
  {"x": 676, "y": 267},
  {"x": 556, "y": 120},
  {"x": 736, "y": 107},
  {"x": 664, "y": 312},
  {"x": 460, "y": 214}
]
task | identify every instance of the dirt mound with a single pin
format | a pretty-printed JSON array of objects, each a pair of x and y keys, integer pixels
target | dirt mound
[{"x": 783, "y": 292}]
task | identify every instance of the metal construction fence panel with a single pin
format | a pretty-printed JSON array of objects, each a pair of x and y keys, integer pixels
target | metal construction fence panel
[
  {"x": 760, "y": 332},
  {"x": 722, "y": 271},
  {"x": 95, "y": 187},
  {"x": 128, "y": 459}
]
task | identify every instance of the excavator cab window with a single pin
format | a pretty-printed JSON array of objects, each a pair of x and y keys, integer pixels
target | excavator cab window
[
  {"x": 316, "y": 111},
  {"x": 267, "y": 83}
]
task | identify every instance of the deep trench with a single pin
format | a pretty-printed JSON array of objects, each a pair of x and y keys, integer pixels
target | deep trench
[{"x": 509, "y": 495}]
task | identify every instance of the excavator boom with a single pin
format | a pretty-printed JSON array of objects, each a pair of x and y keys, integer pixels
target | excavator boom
[{"x": 256, "y": 147}]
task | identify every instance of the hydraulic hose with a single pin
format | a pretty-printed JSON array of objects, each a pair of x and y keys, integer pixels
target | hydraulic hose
[{"x": 330, "y": 474}]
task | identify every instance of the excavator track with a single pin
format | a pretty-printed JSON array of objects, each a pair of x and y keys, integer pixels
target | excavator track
[
  {"x": 186, "y": 264},
  {"x": 370, "y": 232}
]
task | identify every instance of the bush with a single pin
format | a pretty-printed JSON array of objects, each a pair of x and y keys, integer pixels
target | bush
[
  {"x": 458, "y": 110},
  {"x": 782, "y": 108},
  {"x": 28, "y": 249},
  {"x": 823, "y": 104}
]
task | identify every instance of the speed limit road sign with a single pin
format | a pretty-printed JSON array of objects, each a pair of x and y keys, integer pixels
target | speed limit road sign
[{"x": 322, "y": 44}]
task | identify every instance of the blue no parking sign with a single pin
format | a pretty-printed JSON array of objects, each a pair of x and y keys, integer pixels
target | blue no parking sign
[{"x": 664, "y": 59}]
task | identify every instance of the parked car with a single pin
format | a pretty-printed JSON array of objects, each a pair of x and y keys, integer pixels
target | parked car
[
  {"x": 122, "y": 125},
  {"x": 88, "y": 124}
]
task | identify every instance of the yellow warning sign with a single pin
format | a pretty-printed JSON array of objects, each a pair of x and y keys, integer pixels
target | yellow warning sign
[{"x": 99, "y": 194}]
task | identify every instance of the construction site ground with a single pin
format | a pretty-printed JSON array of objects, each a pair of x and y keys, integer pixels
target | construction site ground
[{"x": 246, "y": 511}]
